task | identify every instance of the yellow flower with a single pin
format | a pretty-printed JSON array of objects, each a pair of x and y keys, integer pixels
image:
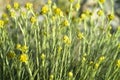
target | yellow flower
[
  {"x": 101, "y": 1},
  {"x": 66, "y": 40},
  {"x": 83, "y": 16},
  {"x": 70, "y": 74},
  {"x": 77, "y": 6},
  {"x": 71, "y": 1},
  {"x": 102, "y": 58},
  {"x": 4, "y": 16},
  {"x": 43, "y": 56},
  {"x": 91, "y": 62},
  {"x": 49, "y": 1},
  {"x": 118, "y": 63},
  {"x": 28, "y": 5},
  {"x": 11, "y": 54},
  {"x": 24, "y": 48},
  {"x": 65, "y": 23},
  {"x": 18, "y": 46},
  {"x": 1, "y": 23},
  {"x": 59, "y": 48},
  {"x": 33, "y": 19},
  {"x": 51, "y": 77},
  {"x": 16, "y": 5},
  {"x": 8, "y": 6},
  {"x": 23, "y": 14},
  {"x": 80, "y": 35},
  {"x": 83, "y": 59},
  {"x": 44, "y": 9},
  {"x": 24, "y": 57},
  {"x": 110, "y": 17},
  {"x": 96, "y": 65},
  {"x": 58, "y": 11},
  {"x": 12, "y": 14},
  {"x": 100, "y": 12}
]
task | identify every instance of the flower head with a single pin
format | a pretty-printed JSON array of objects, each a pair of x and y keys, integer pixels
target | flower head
[
  {"x": 66, "y": 39},
  {"x": 8, "y": 7},
  {"x": 28, "y": 6},
  {"x": 102, "y": 1},
  {"x": 70, "y": 74},
  {"x": 58, "y": 11},
  {"x": 118, "y": 63},
  {"x": 44, "y": 9},
  {"x": 65, "y": 23},
  {"x": 43, "y": 56},
  {"x": 1, "y": 23},
  {"x": 33, "y": 19},
  {"x": 80, "y": 35},
  {"x": 16, "y": 5},
  {"x": 11, "y": 54},
  {"x": 110, "y": 17},
  {"x": 51, "y": 77},
  {"x": 100, "y": 12},
  {"x": 23, "y": 58}
]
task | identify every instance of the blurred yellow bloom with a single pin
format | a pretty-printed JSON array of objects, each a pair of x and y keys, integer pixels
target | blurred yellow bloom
[
  {"x": 4, "y": 16},
  {"x": 33, "y": 19},
  {"x": 58, "y": 12},
  {"x": 18, "y": 46},
  {"x": 43, "y": 56},
  {"x": 100, "y": 12},
  {"x": 77, "y": 6},
  {"x": 51, "y": 77},
  {"x": 44, "y": 9},
  {"x": 24, "y": 57},
  {"x": 118, "y": 63},
  {"x": 83, "y": 59},
  {"x": 8, "y": 6},
  {"x": 83, "y": 16},
  {"x": 28, "y": 5},
  {"x": 49, "y": 1},
  {"x": 96, "y": 65},
  {"x": 12, "y": 14},
  {"x": 71, "y": 0},
  {"x": 70, "y": 74},
  {"x": 16, "y": 5},
  {"x": 1, "y": 23},
  {"x": 59, "y": 48},
  {"x": 110, "y": 17},
  {"x": 80, "y": 35},
  {"x": 11, "y": 54},
  {"x": 102, "y": 58},
  {"x": 65, "y": 23},
  {"x": 101, "y": 1},
  {"x": 66, "y": 40},
  {"x": 24, "y": 49}
]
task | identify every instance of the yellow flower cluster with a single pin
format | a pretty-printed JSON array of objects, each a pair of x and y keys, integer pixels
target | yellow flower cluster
[
  {"x": 1, "y": 23},
  {"x": 118, "y": 63},
  {"x": 43, "y": 56},
  {"x": 80, "y": 35},
  {"x": 23, "y": 58},
  {"x": 102, "y": 58},
  {"x": 8, "y": 7},
  {"x": 65, "y": 23},
  {"x": 51, "y": 77},
  {"x": 44, "y": 9},
  {"x": 101, "y": 1},
  {"x": 100, "y": 12},
  {"x": 110, "y": 17},
  {"x": 66, "y": 40},
  {"x": 71, "y": 1},
  {"x": 70, "y": 74},
  {"x": 23, "y": 48},
  {"x": 33, "y": 20},
  {"x": 16, "y": 5},
  {"x": 77, "y": 6},
  {"x": 13, "y": 14},
  {"x": 58, "y": 11},
  {"x": 11, "y": 54},
  {"x": 28, "y": 6}
]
